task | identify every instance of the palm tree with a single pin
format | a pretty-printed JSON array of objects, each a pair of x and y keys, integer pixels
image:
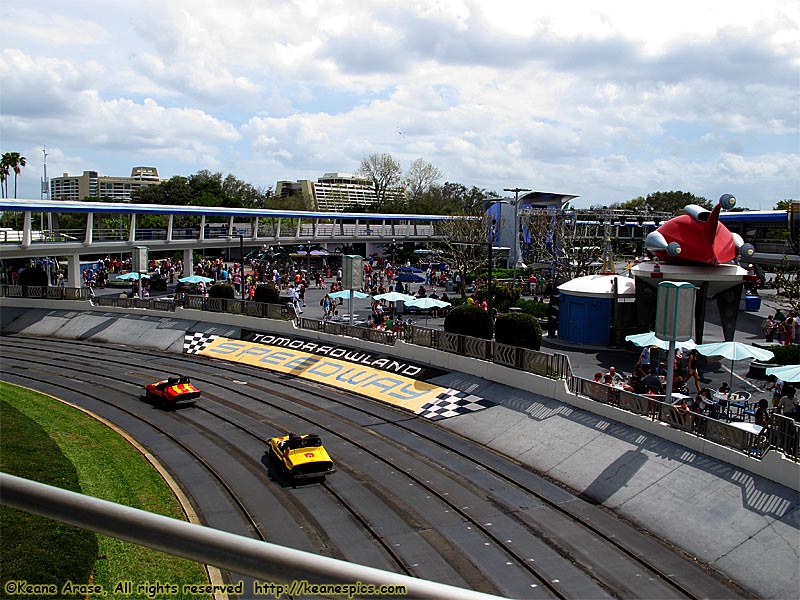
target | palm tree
[
  {"x": 15, "y": 162},
  {"x": 5, "y": 166}
]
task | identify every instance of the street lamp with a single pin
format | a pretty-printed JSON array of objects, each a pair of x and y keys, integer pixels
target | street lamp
[{"x": 517, "y": 252}]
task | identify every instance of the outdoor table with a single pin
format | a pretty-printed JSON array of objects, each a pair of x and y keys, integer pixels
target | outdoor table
[
  {"x": 739, "y": 406},
  {"x": 748, "y": 427}
]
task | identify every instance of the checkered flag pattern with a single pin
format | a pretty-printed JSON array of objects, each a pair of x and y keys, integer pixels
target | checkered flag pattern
[
  {"x": 452, "y": 403},
  {"x": 193, "y": 343}
]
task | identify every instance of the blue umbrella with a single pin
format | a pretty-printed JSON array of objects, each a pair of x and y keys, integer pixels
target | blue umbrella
[
  {"x": 344, "y": 294},
  {"x": 787, "y": 373},
  {"x": 409, "y": 278},
  {"x": 734, "y": 351},
  {"x": 409, "y": 270},
  {"x": 195, "y": 279},
  {"x": 132, "y": 276},
  {"x": 394, "y": 297}
]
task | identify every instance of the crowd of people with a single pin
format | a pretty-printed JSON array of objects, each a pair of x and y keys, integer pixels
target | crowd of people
[
  {"x": 781, "y": 328},
  {"x": 714, "y": 404}
]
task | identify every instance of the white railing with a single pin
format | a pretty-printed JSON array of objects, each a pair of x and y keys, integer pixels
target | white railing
[{"x": 261, "y": 560}]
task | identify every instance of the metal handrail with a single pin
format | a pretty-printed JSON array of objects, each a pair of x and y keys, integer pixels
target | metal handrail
[{"x": 261, "y": 560}]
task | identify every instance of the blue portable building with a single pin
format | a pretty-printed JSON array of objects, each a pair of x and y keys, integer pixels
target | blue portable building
[{"x": 586, "y": 305}]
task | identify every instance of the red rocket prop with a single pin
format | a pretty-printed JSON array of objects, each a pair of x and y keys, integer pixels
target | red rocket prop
[{"x": 698, "y": 238}]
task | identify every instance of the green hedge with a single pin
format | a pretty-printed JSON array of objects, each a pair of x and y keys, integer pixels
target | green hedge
[
  {"x": 518, "y": 329},
  {"x": 785, "y": 355},
  {"x": 34, "y": 277},
  {"x": 221, "y": 290},
  {"x": 267, "y": 293},
  {"x": 469, "y": 320}
]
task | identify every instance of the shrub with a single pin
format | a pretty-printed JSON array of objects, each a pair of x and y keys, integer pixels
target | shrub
[
  {"x": 518, "y": 329},
  {"x": 469, "y": 320},
  {"x": 533, "y": 308},
  {"x": 268, "y": 294},
  {"x": 33, "y": 276},
  {"x": 503, "y": 295},
  {"x": 221, "y": 290},
  {"x": 785, "y": 355}
]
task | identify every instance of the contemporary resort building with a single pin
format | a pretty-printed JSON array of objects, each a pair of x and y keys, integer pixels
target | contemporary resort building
[
  {"x": 335, "y": 192},
  {"x": 93, "y": 185}
]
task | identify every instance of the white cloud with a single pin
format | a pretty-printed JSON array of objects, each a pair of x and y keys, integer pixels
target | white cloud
[{"x": 606, "y": 100}]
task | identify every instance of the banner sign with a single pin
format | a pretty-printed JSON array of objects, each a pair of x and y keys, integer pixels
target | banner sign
[
  {"x": 383, "y": 379},
  {"x": 382, "y": 362}
]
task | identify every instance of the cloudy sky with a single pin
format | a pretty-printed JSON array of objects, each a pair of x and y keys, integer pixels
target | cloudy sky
[{"x": 608, "y": 100}]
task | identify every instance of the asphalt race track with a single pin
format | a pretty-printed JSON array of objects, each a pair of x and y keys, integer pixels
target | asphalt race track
[{"x": 409, "y": 496}]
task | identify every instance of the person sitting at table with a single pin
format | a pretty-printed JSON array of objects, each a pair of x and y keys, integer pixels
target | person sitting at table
[
  {"x": 616, "y": 377},
  {"x": 702, "y": 400},
  {"x": 681, "y": 407},
  {"x": 598, "y": 377},
  {"x": 608, "y": 380},
  {"x": 786, "y": 405},
  {"x": 678, "y": 383},
  {"x": 762, "y": 414},
  {"x": 724, "y": 388},
  {"x": 652, "y": 382}
]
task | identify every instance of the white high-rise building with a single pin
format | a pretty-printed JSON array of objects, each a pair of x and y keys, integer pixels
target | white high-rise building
[
  {"x": 335, "y": 192},
  {"x": 93, "y": 185}
]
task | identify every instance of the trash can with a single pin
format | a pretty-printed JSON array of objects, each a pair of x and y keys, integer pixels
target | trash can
[{"x": 752, "y": 303}]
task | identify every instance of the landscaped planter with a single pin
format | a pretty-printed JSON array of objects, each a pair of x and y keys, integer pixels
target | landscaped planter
[{"x": 758, "y": 369}]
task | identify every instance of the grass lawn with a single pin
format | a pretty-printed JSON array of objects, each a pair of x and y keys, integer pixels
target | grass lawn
[{"x": 47, "y": 441}]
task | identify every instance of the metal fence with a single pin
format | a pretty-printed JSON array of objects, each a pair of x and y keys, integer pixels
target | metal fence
[
  {"x": 782, "y": 433},
  {"x": 49, "y": 293}
]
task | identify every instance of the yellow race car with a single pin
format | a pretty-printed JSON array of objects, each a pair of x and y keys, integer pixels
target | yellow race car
[{"x": 301, "y": 456}]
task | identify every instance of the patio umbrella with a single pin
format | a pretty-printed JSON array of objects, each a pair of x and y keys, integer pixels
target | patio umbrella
[
  {"x": 650, "y": 339},
  {"x": 195, "y": 279},
  {"x": 132, "y": 276},
  {"x": 344, "y": 294},
  {"x": 394, "y": 297},
  {"x": 734, "y": 351},
  {"x": 409, "y": 270},
  {"x": 426, "y": 304},
  {"x": 410, "y": 278},
  {"x": 788, "y": 373}
]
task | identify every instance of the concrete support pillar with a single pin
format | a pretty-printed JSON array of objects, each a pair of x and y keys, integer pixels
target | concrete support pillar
[
  {"x": 188, "y": 265},
  {"x": 26, "y": 229},
  {"x": 74, "y": 279},
  {"x": 89, "y": 227}
]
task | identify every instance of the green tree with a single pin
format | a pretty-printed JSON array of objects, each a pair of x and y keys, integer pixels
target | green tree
[
  {"x": 383, "y": 171},
  {"x": 671, "y": 202},
  {"x": 784, "y": 204},
  {"x": 420, "y": 177},
  {"x": 5, "y": 171},
  {"x": 11, "y": 161}
]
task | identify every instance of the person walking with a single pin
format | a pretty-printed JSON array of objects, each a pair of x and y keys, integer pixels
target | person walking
[
  {"x": 692, "y": 368},
  {"x": 769, "y": 329}
]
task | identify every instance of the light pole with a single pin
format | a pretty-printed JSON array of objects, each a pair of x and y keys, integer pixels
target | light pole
[
  {"x": 491, "y": 261},
  {"x": 517, "y": 253}
]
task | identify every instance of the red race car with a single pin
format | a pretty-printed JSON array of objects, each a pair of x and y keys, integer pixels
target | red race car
[{"x": 170, "y": 392}]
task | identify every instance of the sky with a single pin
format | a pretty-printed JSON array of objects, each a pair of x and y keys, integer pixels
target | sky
[{"x": 607, "y": 100}]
